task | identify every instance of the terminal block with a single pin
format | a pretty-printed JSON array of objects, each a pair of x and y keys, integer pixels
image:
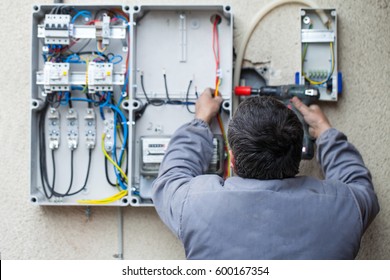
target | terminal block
[
  {"x": 109, "y": 130},
  {"x": 90, "y": 129},
  {"x": 54, "y": 131},
  {"x": 73, "y": 129},
  {"x": 56, "y": 29}
]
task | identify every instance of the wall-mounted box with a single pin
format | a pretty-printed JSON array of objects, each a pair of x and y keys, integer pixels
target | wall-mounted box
[
  {"x": 78, "y": 78},
  {"x": 173, "y": 63},
  {"x": 319, "y": 52}
]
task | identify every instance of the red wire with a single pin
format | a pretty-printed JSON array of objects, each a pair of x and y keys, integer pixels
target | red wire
[
  {"x": 216, "y": 49},
  {"x": 216, "y": 42}
]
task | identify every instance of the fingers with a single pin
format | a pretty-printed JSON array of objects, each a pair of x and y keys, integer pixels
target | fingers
[
  {"x": 209, "y": 94},
  {"x": 207, "y": 106},
  {"x": 302, "y": 108}
]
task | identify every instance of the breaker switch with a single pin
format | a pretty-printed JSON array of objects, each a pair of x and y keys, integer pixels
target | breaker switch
[{"x": 57, "y": 29}]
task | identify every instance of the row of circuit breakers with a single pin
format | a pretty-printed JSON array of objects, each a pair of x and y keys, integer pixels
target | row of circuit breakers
[{"x": 111, "y": 84}]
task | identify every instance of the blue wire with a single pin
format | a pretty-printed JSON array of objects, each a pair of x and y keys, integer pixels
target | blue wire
[
  {"x": 125, "y": 133},
  {"x": 69, "y": 59},
  {"x": 119, "y": 179},
  {"x": 65, "y": 101},
  {"x": 76, "y": 88},
  {"x": 82, "y": 99},
  {"x": 125, "y": 129},
  {"x": 122, "y": 18},
  {"x": 116, "y": 56},
  {"x": 81, "y": 13}
]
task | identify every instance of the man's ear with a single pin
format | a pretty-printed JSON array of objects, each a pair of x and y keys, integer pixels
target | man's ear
[{"x": 232, "y": 160}]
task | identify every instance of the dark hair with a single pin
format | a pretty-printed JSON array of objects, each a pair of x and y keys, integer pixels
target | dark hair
[{"x": 266, "y": 139}]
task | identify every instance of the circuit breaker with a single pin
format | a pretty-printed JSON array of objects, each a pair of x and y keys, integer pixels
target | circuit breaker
[{"x": 110, "y": 85}]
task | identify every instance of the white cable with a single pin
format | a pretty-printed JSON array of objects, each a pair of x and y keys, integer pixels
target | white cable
[{"x": 258, "y": 17}]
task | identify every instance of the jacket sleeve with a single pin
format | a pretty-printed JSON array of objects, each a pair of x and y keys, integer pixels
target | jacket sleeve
[
  {"x": 188, "y": 155},
  {"x": 341, "y": 161}
]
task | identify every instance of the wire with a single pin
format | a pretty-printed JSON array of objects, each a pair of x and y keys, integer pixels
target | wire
[
  {"x": 187, "y": 103},
  {"x": 100, "y": 47},
  {"x": 155, "y": 101},
  {"x": 166, "y": 87},
  {"x": 106, "y": 171},
  {"x": 114, "y": 158},
  {"x": 71, "y": 173},
  {"x": 83, "y": 13},
  {"x": 87, "y": 176},
  {"x": 256, "y": 20},
  {"x": 111, "y": 160},
  {"x": 216, "y": 52},
  {"x": 107, "y": 200},
  {"x": 118, "y": 57},
  {"x": 330, "y": 72}
]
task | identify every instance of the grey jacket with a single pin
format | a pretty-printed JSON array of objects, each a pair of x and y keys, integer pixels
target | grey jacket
[{"x": 296, "y": 218}]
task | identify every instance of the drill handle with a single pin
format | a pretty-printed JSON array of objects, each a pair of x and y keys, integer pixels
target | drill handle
[{"x": 308, "y": 141}]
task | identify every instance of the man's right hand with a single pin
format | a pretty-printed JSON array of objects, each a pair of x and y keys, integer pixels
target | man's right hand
[
  {"x": 207, "y": 106},
  {"x": 314, "y": 117}
]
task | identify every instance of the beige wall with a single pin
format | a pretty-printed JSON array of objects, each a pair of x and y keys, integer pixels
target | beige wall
[{"x": 32, "y": 232}]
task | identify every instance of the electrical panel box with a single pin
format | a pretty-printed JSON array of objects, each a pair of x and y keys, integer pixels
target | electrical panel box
[
  {"x": 176, "y": 56},
  {"x": 79, "y": 117},
  {"x": 319, "y": 52},
  {"x": 110, "y": 85}
]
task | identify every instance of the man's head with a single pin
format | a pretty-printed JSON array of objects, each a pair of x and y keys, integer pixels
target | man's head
[{"x": 266, "y": 139}]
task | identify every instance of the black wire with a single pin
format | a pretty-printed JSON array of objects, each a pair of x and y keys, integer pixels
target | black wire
[
  {"x": 187, "y": 103},
  {"x": 106, "y": 171},
  {"x": 87, "y": 176},
  {"x": 42, "y": 153},
  {"x": 51, "y": 99},
  {"x": 70, "y": 101},
  {"x": 170, "y": 101},
  {"x": 166, "y": 87},
  {"x": 143, "y": 89},
  {"x": 82, "y": 48},
  {"x": 89, "y": 97},
  {"x": 43, "y": 166},
  {"x": 155, "y": 101},
  {"x": 71, "y": 173}
]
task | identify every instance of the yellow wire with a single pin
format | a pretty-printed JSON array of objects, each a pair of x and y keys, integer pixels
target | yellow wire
[
  {"x": 106, "y": 200},
  {"x": 99, "y": 49},
  {"x": 111, "y": 160},
  {"x": 116, "y": 196},
  {"x": 216, "y": 93},
  {"x": 323, "y": 81},
  {"x": 86, "y": 72}
]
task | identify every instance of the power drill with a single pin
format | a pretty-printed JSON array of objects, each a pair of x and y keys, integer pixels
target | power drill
[{"x": 307, "y": 94}]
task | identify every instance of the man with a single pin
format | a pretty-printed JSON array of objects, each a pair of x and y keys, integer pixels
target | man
[{"x": 265, "y": 212}]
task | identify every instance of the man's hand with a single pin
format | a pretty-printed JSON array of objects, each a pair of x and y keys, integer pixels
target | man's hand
[
  {"x": 313, "y": 116},
  {"x": 207, "y": 106}
]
